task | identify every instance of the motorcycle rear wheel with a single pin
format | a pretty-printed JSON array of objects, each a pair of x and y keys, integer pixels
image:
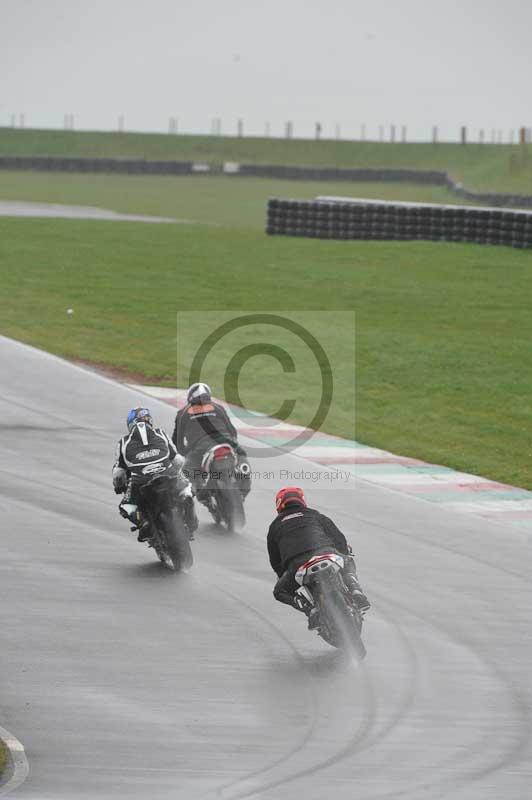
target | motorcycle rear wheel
[
  {"x": 341, "y": 625},
  {"x": 176, "y": 540},
  {"x": 230, "y": 505}
]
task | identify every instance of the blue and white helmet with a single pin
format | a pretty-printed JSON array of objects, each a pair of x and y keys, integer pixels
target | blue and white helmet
[
  {"x": 138, "y": 415},
  {"x": 198, "y": 393}
]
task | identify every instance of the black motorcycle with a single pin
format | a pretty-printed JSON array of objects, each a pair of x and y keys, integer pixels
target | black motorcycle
[
  {"x": 158, "y": 486},
  {"x": 220, "y": 485},
  {"x": 339, "y": 621}
]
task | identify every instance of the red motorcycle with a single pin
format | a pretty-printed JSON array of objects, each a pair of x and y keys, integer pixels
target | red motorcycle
[{"x": 219, "y": 488}]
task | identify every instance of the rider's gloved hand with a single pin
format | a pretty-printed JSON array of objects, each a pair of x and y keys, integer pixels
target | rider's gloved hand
[{"x": 119, "y": 480}]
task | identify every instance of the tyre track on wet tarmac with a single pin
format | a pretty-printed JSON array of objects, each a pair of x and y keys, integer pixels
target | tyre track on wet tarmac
[
  {"x": 274, "y": 783},
  {"x": 358, "y": 745},
  {"x": 509, "y": 753},
  {"x": 358, "y": 741}
]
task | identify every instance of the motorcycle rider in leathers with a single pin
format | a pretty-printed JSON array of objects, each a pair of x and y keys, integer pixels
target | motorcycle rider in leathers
[
  {"x": 201, "y": 424},
  {"x": 143, "y": 445},
  {"x": 297, "y": 534}
]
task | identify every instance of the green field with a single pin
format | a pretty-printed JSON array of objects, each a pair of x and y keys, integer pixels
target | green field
[
  {"x": 3, "y": 760},
  {"x": 236, "y": 202},
  {"x": 443, "y": 331},
  {"x": 481, "y": 167}
]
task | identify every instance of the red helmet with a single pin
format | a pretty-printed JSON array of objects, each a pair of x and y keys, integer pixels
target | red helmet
[{"x": 290, "y": 494}]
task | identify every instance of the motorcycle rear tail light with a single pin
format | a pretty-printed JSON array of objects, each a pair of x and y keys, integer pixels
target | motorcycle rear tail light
[{"x": 222, "y": 452}]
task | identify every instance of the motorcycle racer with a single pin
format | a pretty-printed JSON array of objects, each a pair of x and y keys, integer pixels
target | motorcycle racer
[
  {"x": 295, "y": 535},
  {"x": 141, "y": 451},
  {"x": 201, "y": 424}
]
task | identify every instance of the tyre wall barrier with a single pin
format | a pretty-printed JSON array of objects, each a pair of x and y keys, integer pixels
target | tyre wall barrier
[
  {"x": 341, "y": 218},
  {"x": 426, "y": 177},
  {"x": 116, "y": 165},
  {"x": 419, "y": 176},
  {"x": 492, "y": 198}
]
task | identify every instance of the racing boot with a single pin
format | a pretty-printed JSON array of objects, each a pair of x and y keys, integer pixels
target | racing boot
[
  {"x": 132, "y": 512},
  {"x": 355, "y": 590},
  {"x": 313, "y": 619},
  {"x": 302, "y": 604},
  {"x": 189, "y": 514},
  {"x": 144, "y": 530}
]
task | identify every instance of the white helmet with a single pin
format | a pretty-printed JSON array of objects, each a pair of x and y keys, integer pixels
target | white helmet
[{"x": 198, "y": 393}]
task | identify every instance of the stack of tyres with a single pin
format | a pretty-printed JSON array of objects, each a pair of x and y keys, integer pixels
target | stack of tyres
[
  {"x": 287, "y": 172},
  {"x": 96, "y": 165},
  {"x": 360, "y": 219}
]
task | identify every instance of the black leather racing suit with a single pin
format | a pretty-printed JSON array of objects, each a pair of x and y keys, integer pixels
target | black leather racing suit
[
  {"x": 141, "y": 451},
  {"x": 295, "y": 535},
  {"x": 197, "y": 428}
]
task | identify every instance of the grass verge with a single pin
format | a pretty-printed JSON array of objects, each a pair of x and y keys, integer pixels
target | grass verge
[
  {"x": 4, "y": 760},
  {"x": 237, "y": 202},
  {"x": 443, "y": 331},
  {"x": 482, "y": 167}
]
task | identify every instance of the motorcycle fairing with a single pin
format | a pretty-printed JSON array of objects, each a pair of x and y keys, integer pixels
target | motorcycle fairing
[
  {"x": 224, "y": 450},
  {"x": 317, "y": 564}
]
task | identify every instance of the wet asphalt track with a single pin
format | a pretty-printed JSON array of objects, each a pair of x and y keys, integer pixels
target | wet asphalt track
[
  {"x": 12, "y": 208},
  {"x": 123, "y": 680}
]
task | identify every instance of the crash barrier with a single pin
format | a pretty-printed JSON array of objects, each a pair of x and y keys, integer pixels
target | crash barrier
[
  {"x": 345, "y": 218},
  {"x": 491, "y": 198},
  {"x": 419, "y": 176},
  {"x": 281, "y": 172},
  {"x": 423, "y": 176},
  {"x": 116, "y": 165}
]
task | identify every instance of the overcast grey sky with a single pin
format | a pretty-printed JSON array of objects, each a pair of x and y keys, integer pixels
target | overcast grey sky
[{"x": 415, "y": 62}]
